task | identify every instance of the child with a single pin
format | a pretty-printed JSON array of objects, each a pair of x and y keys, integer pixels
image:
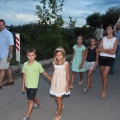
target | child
[
  {"x": 31, "y": 70},
  {"x": 60, "y": 80},
  {"x": 91, "y": 62},
  {"x": 78, "y": 60}
]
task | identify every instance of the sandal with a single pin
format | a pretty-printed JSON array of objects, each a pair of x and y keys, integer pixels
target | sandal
[
  {"x": 8, "y": 83},
  {"x": 71, "y": 86},
  {"x": 81, "y": 82},
  {"x": 102, "y": 95},
  {"x": 57, "y": 118}
]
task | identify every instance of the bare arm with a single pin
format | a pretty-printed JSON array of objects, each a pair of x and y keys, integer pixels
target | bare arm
[
  {"x": 73, "y": 54},
  {"x": 96, "y": 62},
  {"x": 67, "y": 77},
  {"x": 47, "y": 76},
  {"x": 100, "y": 47},
  {"x": 113, "y": 51},
  {"x": 10, "y": 53},
  {"x": 23, "y": 82},
  {"x": 86, "y": 52},
  {"x": 97, "y": 56},
  {"x": 83, "y": 59}
]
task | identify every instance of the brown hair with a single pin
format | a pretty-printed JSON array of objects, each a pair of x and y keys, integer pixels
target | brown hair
[
  {"x": 59, "y": 49},
  {"x": 80, "y": 36},
  {"x": 29, "y": 50},
  {"x": 110, "y": 25}
]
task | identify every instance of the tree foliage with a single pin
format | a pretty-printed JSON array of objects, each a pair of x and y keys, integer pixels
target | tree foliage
[
  {"x": 110, "y": 17},
  {"x": 47, "y": 11},
  {"x": 94, "y": 19}
]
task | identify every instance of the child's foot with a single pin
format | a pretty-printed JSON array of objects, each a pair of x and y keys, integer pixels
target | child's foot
[
  {"x": 103, "y": 95},
  {"x": 81, "y": 82},
  {"x": 71, "y": 86},
  {"x": 100, "y": 93},
  {"x": 90, "y": 86},
  {"x": 35, "y": 106},
  {"x": 26, "y": 118},
  {"x": 57, "y": 118},
  {"x": 85, "y": 90}
]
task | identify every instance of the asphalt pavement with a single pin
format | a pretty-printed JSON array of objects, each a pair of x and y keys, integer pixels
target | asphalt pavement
[{"x": 78, "y": 106}]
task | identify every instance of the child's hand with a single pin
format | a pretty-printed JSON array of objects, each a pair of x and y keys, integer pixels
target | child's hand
[
  {"x": 81, "y": 66},
  {"x": 23, "y": 91},
  {"x": 70, "y": 63},
  {"x": 94, "y": 68},
  {"x": 67, "y": 89},
  {"x": 50, "y": 79}
]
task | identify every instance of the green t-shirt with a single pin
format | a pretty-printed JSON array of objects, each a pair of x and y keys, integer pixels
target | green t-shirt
[{"x": 32, "y": 73}]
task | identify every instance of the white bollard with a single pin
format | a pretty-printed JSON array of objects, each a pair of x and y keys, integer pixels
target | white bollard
[{"x": 17, "y": 42}]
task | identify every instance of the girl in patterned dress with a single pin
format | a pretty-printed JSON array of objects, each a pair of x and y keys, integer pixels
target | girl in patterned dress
[
  {"x": 60, "y": 80},
  {"x": 78, "y": 60}
]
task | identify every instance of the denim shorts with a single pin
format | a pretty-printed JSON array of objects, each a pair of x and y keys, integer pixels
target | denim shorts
[
  {"x": 31, "y": 93},
  {"x": 89, "y": 65}
]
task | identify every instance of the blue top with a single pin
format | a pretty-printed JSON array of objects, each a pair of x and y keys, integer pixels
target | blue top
[
  {"x": 91, "y": 55},
  {"x": 117, "y": 35},
  {"x": 6, "y": 40}
]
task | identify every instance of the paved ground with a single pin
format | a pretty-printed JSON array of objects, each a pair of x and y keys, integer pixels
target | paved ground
[{"x": 78, "y": 106}]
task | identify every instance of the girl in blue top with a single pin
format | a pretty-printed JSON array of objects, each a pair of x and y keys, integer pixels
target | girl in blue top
[
  {"x": 78, "y": 60},
  {"x": 91, "y": 62}
]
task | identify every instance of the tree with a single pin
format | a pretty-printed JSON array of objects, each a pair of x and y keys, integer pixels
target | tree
[
  {"x": 111, "y": 16},
  {"x": 94, "y": 20},
  {"x": 48, "y": 13},
  {"x": 72, "y": 24}
]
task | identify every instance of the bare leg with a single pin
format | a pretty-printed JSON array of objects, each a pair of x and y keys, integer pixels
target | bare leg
[
  {"x": 102, "y": 72},
  {"x": 59, "y": 107},
  {"x": 105, "y": 79},
  {"x": 9, "y": 72},
  {"x": 81, "y": 76},
  {"x": 30, "y": 107},
  {"x": 89, "y": 79},
  {"x": 73, "y": 78},
  {"x": 36, "y": 101},
  {"x": 2, "y": 75}
]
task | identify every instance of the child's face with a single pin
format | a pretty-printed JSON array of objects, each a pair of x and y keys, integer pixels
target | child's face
[
  {"x": 59, "y": 56},
  {"x": 79, "y": 40},
  {"x": 93, "y": 42},
  {"x": 31, "y": 56}
]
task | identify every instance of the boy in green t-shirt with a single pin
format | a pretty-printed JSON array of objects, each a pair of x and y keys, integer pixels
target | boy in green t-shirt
[{"x": 31, "y": 72}]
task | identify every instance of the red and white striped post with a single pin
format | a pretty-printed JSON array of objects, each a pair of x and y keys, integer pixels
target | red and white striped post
[{"x": 17, "y": 42}]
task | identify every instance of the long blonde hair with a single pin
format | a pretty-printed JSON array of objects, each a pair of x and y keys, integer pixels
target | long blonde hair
[{"x": 59, "y": 49}]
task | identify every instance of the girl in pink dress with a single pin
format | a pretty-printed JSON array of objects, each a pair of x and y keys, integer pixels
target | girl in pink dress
[{"x": 60, "y": 80}]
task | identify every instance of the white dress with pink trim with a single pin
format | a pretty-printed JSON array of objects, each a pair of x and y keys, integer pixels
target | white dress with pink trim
[{"x": 59, "y": 83}]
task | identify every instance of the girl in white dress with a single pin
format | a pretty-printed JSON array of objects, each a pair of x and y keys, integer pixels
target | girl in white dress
[{"x": 60, "y": 80}]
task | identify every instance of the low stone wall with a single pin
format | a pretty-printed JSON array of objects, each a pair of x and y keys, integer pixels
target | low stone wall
[{"x": 44, "y": 63}]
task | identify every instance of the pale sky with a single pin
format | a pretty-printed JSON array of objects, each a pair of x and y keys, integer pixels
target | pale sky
[{"x": 19, "y": 12}]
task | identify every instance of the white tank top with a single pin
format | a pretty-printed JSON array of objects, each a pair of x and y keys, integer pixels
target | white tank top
[{"x": 108, "y": 44}]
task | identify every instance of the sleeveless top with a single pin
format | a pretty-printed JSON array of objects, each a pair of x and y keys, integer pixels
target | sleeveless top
[
  {"x": 108, "y": 44},
  {"x": 91, "y": 55}
]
